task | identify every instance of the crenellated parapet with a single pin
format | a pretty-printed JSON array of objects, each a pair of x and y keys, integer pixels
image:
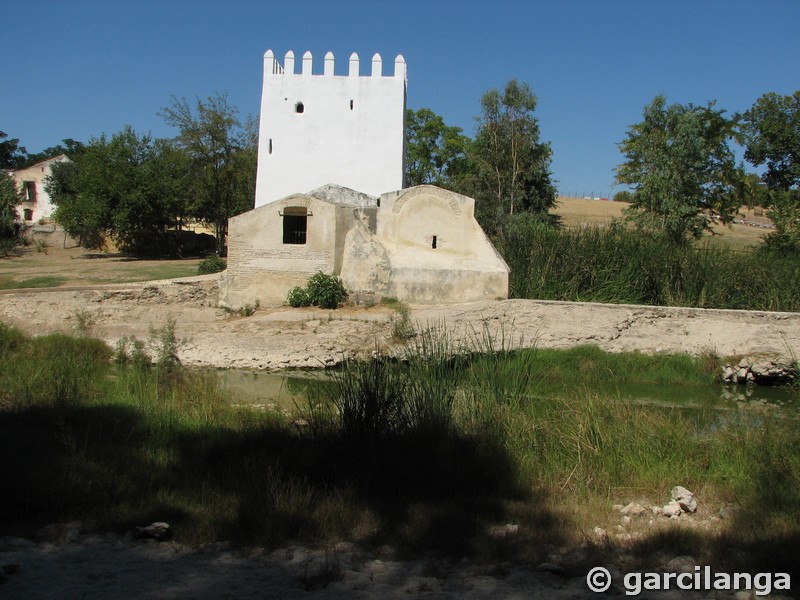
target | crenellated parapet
[{"x": 272, "y": 65}]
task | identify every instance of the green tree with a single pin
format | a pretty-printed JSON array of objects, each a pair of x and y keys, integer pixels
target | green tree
[
  {"x": 435, "y": 152},
  {"x": 68, "y": 147},
  {"x": 9, "y": 198},
  {"x": 222, "y": 159},
  {"x": 509, "y": 169},
  {"x": 771, "y": 134},
  {"x": 623, "y": 196},
  {"x": 126, "y": 188},
  {"x": 12, "y": 155},
  {"x": 681, "y": 168}
]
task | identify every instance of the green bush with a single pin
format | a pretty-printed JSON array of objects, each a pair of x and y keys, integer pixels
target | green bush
[
  {"x": 298, "y": 297},
  {"x": 325, "y": 291},
  {"x": 211, "y": 264}
]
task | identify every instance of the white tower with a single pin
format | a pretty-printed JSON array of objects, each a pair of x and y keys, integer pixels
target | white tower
[{"x": 319, "y": 129}]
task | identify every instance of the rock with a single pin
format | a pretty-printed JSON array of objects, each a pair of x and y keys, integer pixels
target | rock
[
  {"x": 634, "y": 508},
  {"x": 157, "y": 531},
  {"x": 684, "y": 498},
  {"x": 60, "y": 533},
  {"x": 672, "y": 510},
  {"x": 681, "y": 564},
  {"x": 501, "y": 531},
  {"x": 728, "y": 373},
  {"x": 551, "y": 568}
]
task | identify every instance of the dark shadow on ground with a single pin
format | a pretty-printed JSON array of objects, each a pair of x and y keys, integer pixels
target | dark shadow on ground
[{"x": 105, "y": 466}]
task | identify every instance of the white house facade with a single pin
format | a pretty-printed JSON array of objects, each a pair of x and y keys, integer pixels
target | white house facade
[{"x": 36, "y": 205}]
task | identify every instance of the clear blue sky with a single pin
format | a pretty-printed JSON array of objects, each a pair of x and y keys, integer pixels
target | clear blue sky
[{"x": 78, "y": 68}]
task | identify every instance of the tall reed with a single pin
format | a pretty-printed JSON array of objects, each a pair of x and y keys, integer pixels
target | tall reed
[{"x": 620, "y": 265}]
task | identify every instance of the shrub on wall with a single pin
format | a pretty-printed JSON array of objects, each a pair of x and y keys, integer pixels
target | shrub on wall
[{"x": 325, "y": 291}]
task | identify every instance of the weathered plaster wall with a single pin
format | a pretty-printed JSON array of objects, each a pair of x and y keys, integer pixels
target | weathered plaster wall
[
  {"x": 350, "y": 131},
  {"x": 38, "y": 202},
  {"x": 387, "y": 250},
  {"x": 462, "y": 267},
  {"x": 261, "y": 266}
]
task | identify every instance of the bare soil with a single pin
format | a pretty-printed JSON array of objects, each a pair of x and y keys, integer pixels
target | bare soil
[{"x": 282, "y": 337}]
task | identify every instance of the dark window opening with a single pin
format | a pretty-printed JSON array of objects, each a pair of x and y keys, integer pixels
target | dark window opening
[
  {"x": 295, "y": 225},
  {"x": 299, "y": 108},
  {"x": 30, "y": 191},
  {"x": 28, "y": 214},
  {"x": 433, "y": 243},
  {"x": 351, "y": 105},
  {"x": 270, "y": 146}
]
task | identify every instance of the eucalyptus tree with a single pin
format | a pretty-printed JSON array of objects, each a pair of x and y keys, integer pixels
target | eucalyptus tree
[
  {"x": 222, "y": 155},
  {"x": 509, "y": 164}
]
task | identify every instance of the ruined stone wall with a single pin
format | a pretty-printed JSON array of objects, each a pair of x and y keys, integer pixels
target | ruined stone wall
[{"x": 261, "y": 266}]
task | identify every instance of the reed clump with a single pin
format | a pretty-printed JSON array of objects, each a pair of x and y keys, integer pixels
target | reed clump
[{"x": 617, "y": 264}]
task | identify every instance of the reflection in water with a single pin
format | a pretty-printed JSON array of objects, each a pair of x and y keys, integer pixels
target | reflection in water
[{"x": 286, "y": 391}]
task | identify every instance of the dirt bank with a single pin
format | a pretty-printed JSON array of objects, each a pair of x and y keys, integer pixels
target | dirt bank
[{"x": 283, "y": 337}]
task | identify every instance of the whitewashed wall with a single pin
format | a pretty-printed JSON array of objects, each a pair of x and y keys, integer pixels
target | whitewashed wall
[{"x": 350, "y": 131}]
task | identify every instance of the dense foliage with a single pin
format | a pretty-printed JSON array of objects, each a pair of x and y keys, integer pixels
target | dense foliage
[
  {"x": 9, "y": 198},
  {"x": 621, "y": 265},
  {"x": 220, "y": 156},
  {"x": 125, "y": 188},
  {"x": 771, "y": 131},
  {"x": 435, "y": 152},
  {"x": 681, "y": 168},
  {"x": 138, "y": 192},
  {"x": 506, "y": 167},
  {"x": 212, "y": 264}
]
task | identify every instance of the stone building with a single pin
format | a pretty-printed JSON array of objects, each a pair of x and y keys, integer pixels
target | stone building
[
  {"x": 420, "y": 244},
  {"x": 342, "y": 137}
]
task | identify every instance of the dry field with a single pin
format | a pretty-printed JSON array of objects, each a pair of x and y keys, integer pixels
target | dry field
[{"x": 580, "y": 212}]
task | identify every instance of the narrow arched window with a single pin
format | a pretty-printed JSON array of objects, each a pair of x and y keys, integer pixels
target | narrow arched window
[{"x": 299, "y": 108}]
